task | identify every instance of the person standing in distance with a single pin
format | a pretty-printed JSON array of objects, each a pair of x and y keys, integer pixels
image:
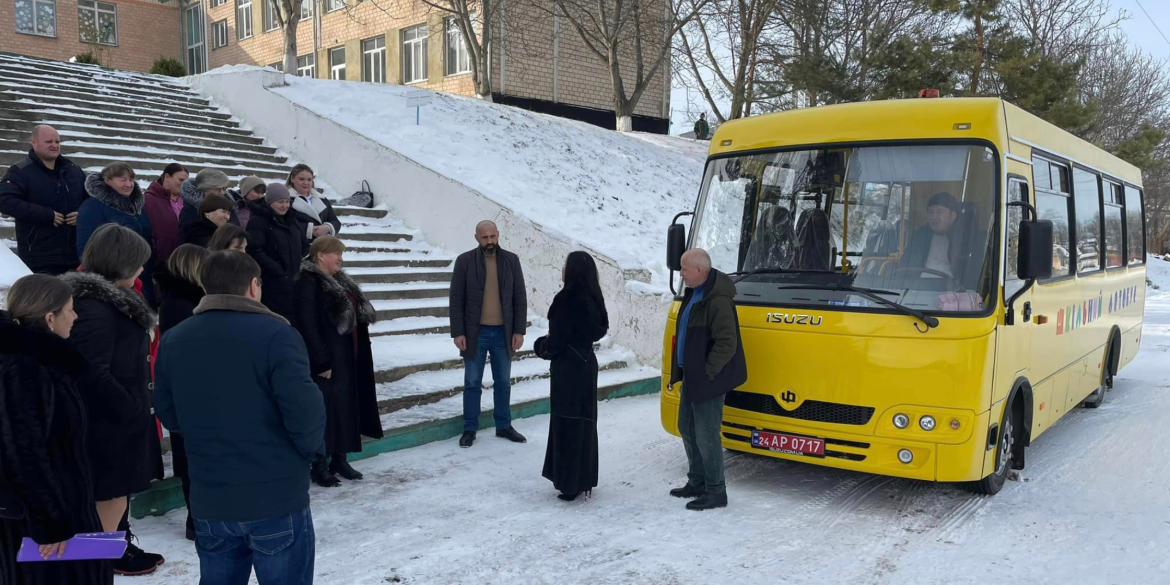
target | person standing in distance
[
  {"x": 489, "y": 315},
  {"x": 43, "y": 193},
  {"x": 709, "y": 361}
]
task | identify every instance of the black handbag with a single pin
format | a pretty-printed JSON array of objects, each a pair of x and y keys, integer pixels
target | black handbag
[{"x": 363, "y": 198}]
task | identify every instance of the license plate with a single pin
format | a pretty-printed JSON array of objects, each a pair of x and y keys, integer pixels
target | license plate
[{"x": 792, "y": 445}]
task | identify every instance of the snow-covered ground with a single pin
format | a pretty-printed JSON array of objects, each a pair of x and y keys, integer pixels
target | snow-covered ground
[
  {"x": 612, "y": 192},
  {"x": 1091, "y": 507}
]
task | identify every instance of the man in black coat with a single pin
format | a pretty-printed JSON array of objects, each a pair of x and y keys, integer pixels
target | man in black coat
[
  {"x": 252, "y": 419},
  {"x": 709, "y": 361},
  {"x": 43, "y": 193},
  {"x": 489, "y": 314}
]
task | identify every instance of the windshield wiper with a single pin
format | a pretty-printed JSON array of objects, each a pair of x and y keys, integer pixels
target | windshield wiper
[
  {"x": 750, "y": 273},
  {"x": 873, "y": 295}
]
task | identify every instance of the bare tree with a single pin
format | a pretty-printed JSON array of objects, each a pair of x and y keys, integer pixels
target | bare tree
[
  {"x": 1063, "y": 29},
  {"x": 719, "y": 51},
  {"x": 621, "y": 31},
  {"x": 288, "y": 16},
  {"x": 472, "y": 16}
]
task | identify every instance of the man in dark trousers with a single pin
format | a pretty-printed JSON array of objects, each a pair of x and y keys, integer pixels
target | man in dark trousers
[
  {"x": 702, "y": 128},
  {"x": 489, "y": 315},
  {"x": 42, "y": 193},
  {"x": 709, "y": 361},
  {"x": 252, "y": 420}
]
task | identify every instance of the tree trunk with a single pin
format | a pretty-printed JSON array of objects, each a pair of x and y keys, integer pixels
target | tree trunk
[
  {"x": 481, "y": 71},
  {"x": 978, "y": 70},
  {"x": 622, "y": 108},
  {"x": 290, "y": 47}
]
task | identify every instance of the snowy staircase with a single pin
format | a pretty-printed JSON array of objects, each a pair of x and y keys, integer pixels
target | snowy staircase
[{"x": 105, "y": 116}]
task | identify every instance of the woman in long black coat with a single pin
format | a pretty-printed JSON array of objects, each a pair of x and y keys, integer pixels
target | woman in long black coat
[
  {"x": 277, "y": 241},
  {"x": 43, "y": 458},
  {"x": 112, "y": 332},
  {"x": 176, "y": 283},
  {"x": 333, "y": 317},
  {"x": 577, "y": 319}
]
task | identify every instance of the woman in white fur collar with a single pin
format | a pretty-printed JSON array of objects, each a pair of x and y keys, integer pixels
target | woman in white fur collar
[{"x": 309, "y": 207}]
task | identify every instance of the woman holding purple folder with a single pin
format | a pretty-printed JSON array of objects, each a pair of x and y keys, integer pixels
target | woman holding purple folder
[{"x": 46, "y": 492}]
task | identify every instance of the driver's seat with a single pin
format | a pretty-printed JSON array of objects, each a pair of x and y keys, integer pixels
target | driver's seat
[{"x": 813, "y": 250}]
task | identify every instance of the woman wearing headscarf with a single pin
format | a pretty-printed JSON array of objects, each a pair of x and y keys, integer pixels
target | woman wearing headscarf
[{"x": 577, "y": 319}]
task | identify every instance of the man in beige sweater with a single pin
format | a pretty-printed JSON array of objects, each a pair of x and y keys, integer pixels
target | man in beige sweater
[{"x": 489, "y": 315}]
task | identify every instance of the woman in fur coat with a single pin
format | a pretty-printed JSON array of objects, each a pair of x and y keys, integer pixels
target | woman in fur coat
[
  {"x": 576, "y": 319},
  {"x": 114, "y": 197},
  {"x": 333, "y": 317},
  {"x": 112, "y": 332},
  {"x": 46, "y": 491}
]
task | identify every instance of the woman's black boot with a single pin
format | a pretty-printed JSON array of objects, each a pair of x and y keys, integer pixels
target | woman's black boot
[
  {"x": 340, "y": 465},
  {"x": 319, "y": 472}
]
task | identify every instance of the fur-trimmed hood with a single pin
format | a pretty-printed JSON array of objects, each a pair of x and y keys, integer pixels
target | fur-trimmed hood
[
  {"x": 336, "y": 298},
  {"x": 46, "y": 348},
  {"x": 190, "y": 193},
  {"x": 98, "y": 189},
  {"x": 87, "y": 285}
]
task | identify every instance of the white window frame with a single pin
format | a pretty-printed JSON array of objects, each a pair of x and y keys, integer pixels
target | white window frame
[
  {"x": 337, "y": 71},
  {"x": 374, "y": 60},
  {"x": 35, "y": 14},
  {"x": 215, "y": 3},
  {"x": 334, "y": 5},
  {"x": 452, "y": 32},
  {"x": 196, "y": 56},
  {"x": 411, "y": 50},
  {"x": 243, "y": 19},
  {"x": 309, "y": 69},
  {"x": 219, "y": 34},
  {"x": 307, "y": 9},
  {"x": 98, "y": 9},
  {"x": 271, "y": 23}
]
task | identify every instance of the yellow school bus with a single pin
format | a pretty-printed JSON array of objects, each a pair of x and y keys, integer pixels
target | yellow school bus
[{"x": 924, "y": 287}]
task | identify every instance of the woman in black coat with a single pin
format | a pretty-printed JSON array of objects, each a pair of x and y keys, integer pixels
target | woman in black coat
[
  {"x": 277, "y": 241},
  {"x": 112, "y": 332},
  {"x": 47, "y": 489},
  {"x": 214, "y": 211},
  {"x": 177, "y": 285},
  {"x": 577, "y": 319},
  {"x": 334, "y": 318}
]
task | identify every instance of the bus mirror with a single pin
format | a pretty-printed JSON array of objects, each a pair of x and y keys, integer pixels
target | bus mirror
[
  {"x": 676, "y": 243},
  {"x": 1035, "y": 251}
]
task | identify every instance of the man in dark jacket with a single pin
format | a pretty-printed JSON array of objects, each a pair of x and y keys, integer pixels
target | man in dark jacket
[
  {"x": 709, "y": 361},
  {"x": 43, "y": 193},
  {"x": 702, "y": 128},
  {"x": 489, "y": 314},
  {"x": 252, "y": 422}
]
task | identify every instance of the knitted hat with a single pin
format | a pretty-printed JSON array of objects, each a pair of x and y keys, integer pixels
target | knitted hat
[
  {"x": 945, "y": 200},
  {"x": 276, "y": 192},
  {"x": 250, "y": 183},
  {"x": 211, "y": 179}
]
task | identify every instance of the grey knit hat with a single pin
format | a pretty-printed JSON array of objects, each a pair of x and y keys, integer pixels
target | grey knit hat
[
  {"x": 276, "y": 192},
  {"x": 211, "y": 179},
  {"x": 249, "y": 183}
]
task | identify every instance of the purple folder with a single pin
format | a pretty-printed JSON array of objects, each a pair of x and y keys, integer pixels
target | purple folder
[{"x": 83, "y": 547}]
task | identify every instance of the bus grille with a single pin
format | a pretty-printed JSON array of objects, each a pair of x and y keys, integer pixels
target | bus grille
[{"x": 810, "y": 410}]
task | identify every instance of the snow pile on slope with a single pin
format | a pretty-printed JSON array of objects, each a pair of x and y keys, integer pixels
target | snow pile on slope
[
  {"x": 1158, "y": 272},
  {"x": 611, "y": 192},
  {"x": 11, "y": 269}
]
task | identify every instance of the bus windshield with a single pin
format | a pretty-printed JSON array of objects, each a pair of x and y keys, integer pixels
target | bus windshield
[{"x": 914, "y": 224}]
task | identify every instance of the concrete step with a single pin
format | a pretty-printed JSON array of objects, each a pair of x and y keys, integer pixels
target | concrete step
[
  {"x": 366, "y": 235},
  {"x": 414, "y": 290},
  {"x": 398, "y": 275},
  {"x": 107, "y": 126},
  {"x": 145, "y": 171},
  {"x": 78, "y": 152},
  {"x": 402, "y": 308},
  {"x": 223, "y": 128},
  {"x": 387, "y": 262},
  {"x": 8, "y": 232},
  {"x": 102, "y": 80},
  {"x": 98, "y": 104},
  {"x": 345, "y": 210},
  {"x": 84, "y": 130},
  {"x": 76, "y": 143},
  {"x": 10, "y": 78},
  {"x": 49, "y": 92}
]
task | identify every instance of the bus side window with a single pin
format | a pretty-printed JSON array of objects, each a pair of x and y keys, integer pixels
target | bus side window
[{"x": 1017, "y": 191}]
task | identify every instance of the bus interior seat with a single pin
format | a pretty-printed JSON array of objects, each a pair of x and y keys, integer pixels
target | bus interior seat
[
  {"x": 772, "y": 243},
  {"x": 813, "y": 238}
]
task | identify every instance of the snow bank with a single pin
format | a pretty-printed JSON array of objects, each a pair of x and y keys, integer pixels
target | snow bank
[
  {"x": 1158, "y": 273},
  {"x": 611, "y": 192},
  {"x": 11, "y": 269}
]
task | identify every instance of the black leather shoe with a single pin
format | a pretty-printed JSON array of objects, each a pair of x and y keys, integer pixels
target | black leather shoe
[
  {"x": 687, "y": 491},
  {"x": 467, "y": 439},
  {"x": 340, "y": 466},
  {"x": 135, "y": 561},
  {"x": 708, "y": 502},
  {"x": 511, "y": 434},
  {"x": 320, "y": 474}
]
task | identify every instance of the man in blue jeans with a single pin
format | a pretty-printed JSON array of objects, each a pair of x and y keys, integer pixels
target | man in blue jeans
[
  {"x": 253, "y": 421},
  {"x": 489, "y": 315}
]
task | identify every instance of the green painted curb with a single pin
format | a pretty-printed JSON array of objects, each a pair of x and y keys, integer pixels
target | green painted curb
[{"x": 166, "y": 495}]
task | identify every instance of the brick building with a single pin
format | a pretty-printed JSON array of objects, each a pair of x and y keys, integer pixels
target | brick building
[{"x": 123, "y": 34}]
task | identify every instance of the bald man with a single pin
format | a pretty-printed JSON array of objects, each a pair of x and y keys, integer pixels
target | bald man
[
  {"x": 42, "y": 193},
  {"x": 489, "y": 315},
  {"x": 709, "y": 361}
]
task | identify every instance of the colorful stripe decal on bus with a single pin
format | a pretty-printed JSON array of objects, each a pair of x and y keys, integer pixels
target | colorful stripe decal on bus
[{"x": 1074, "y": 316}]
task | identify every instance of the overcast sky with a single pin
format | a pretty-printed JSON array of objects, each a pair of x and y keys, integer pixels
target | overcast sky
[{"x": 1141, "y": 29}]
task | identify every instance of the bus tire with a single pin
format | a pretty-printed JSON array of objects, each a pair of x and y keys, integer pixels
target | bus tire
[
  {"x": 1009, "y": 436},
  {"x": 1112, "y": 351}
]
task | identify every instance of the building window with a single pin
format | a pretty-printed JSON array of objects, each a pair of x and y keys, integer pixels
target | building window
[
  {"x": 270, "y": 22},
  {"x": 414, "y": 54},
  {"x": 196, "y": 57},
  {"x": 457, "y": 58},
  {"x": 307, "y": 8},
  {"x": 331, "y": 5},
  {"x": 337, "y": 63},
  {"x": 307, "y": 65},
  {"x": 279, "y": 66},
  {"x": 1052, "y": 203},
  {"x": 36, "y": 17},
  {"x": 215, "y": 3},
  {"x": 374, "y": 60},
  {"x": 1087, "y": 208},
  {"x": 219, "y": 34},
  {"x": 97, "y": 22},
  {"x": 1134, "y": 226},
  {"x": 243, "y": 19}
]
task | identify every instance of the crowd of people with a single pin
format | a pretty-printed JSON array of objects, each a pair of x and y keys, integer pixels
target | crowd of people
[{"x": 226, "y": 317}]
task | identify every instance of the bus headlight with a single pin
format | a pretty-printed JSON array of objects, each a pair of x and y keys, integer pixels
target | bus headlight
[
  {"x": 905, "y": 456},
  {"x": 927, "y": 423},
  {"x": 901, "y": 421}
]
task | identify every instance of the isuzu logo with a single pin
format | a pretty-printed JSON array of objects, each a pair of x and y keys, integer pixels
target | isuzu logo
[{"x": 792, "y": 319}]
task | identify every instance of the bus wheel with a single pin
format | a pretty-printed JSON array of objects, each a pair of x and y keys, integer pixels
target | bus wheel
[
  {"x": 1097, "y": 398},
  {"x": 1004, "y": 450}
]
